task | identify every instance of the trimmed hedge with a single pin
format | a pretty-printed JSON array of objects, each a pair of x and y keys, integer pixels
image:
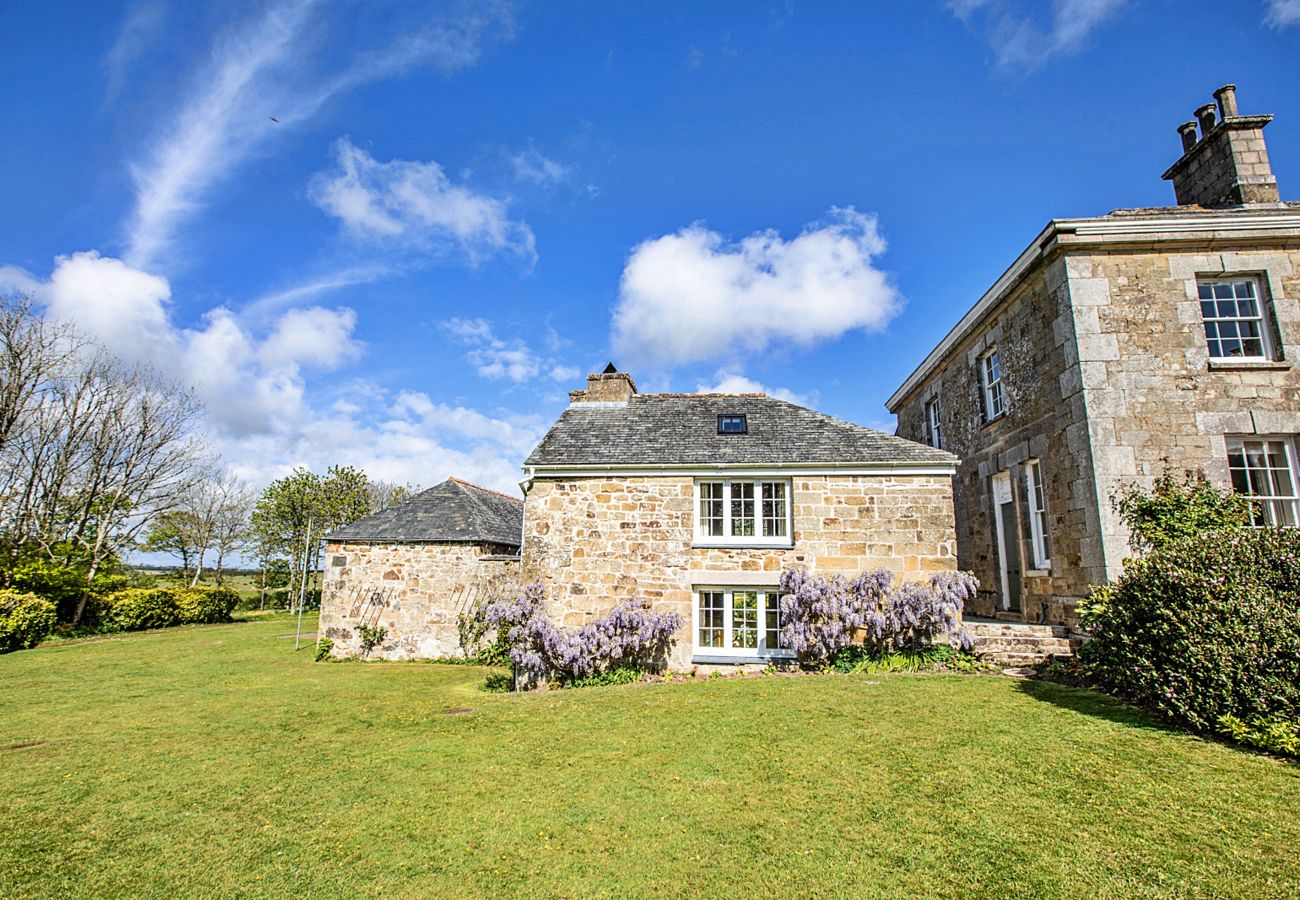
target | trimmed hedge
[
  {"x": 206, "y": 605},
  {"x": 136, "y": 609},
  {"x": 1204, "y": 629},
  {"x": 25, "y": 620}
]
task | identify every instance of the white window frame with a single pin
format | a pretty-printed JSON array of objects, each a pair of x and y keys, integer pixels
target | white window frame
[
  {"x": 767, "y": 597},
  {"x": 994, "y": 388},
  {"x": 1267, "y": 513},
  {"x": 933, "y": 413},
  {"x": 758, "y": 539},
  {"x": 1267, "y": 350},
  {"x": 1037, "y": 496}
]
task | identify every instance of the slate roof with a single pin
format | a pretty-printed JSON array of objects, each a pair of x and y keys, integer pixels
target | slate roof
[
  {"x": 454, "y": 511},
  {"x": 682, "y": 429}
]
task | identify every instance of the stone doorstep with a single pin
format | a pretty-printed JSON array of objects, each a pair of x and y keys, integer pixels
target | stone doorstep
[
  {"x": 1023, "y": 645},
  {"x": 1010, "y": 629}
]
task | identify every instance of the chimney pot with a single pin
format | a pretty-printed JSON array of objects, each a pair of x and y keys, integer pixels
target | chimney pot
[
  {"x": 1187, "y": 131},
  {"x": 1205, "y": 115},
  {"x": 1227, "y": 97}
]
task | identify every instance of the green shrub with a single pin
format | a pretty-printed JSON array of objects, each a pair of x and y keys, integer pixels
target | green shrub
[
  {"x": 138, "y": 608},
  {"x": 323, "y": 648},
  {"x": 205, "y": 605},
  {"x": 1204, "y": 628},
  {"x": 616, "y": 675},
  {"x": 371, "y": 637},
  {"x": 25, "y": 620},
  {"x": 1174, "y": 511},
  {"x": 1272, "y": 733},
  {"x": 863, "y": 660}
]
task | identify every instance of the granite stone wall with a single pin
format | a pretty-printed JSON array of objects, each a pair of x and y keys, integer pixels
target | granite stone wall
[
  {"x": 1034, "y": 333},
  {"x": 1109, "y": 384},
  {"x": 596, "y": 542},
  {"x": 413, "y": 590}
]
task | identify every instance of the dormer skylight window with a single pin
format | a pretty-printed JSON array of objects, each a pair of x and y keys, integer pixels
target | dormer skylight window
[{"x": 732, "y": 424}]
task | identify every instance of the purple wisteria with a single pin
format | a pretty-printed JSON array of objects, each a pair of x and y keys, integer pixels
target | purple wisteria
[
  {"x": 629, "y": 635},
  {"x": 821, "y": 616}
]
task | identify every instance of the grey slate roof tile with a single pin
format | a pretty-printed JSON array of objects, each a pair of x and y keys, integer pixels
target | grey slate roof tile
[
  {"x": 682, "y": 429},
  {"x": 454, "y": 511}
]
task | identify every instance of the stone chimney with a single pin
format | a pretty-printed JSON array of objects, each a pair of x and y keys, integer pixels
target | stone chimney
[
  {"x": 1227, "y": 165},
  {"x": 610, "y": 387}
]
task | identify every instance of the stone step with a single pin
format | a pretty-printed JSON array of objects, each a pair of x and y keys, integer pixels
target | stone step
[
  {"x": 1043, "y": 645},
  {"x": 1015, "y": 629}
]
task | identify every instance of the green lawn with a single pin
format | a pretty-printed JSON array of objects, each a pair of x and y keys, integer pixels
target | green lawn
[{"x": 214, "y": 761}]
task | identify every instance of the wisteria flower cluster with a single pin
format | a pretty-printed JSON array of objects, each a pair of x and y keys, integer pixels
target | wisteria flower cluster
[
  {"x": 630, "y": 635},
  {"x": 821, "y": 616}
]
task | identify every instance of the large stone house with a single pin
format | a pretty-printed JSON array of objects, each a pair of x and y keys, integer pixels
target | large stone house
[
  {"x": 693, "y": 502},
  {"x": 1114, "y": 350}
]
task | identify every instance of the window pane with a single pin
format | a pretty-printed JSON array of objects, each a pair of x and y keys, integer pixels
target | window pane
[
  {"x": 772, "y": 619},
  {"x": 742, "y": 509},
  {"x": 1234, "y": 324},
  {"x": 744, "y": 620},
  {"x": 1264, "y": 470},
  {"x": 711, "y": 509},
  {"x": 774, "y": 509},
  {"x": 711, "y": 619}
]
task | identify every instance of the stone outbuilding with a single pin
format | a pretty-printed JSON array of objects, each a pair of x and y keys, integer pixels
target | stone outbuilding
[{"x": 414, "y": 567}]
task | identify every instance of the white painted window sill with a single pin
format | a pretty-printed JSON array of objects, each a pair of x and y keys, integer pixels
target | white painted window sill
[{"x": 751, "y": 546}]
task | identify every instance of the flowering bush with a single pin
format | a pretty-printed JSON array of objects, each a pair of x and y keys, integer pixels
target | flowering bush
[
  {"x": 629, "y": 636},
  {"x": 1204, "y": 628},
  {"x": 821, "y": 617}
]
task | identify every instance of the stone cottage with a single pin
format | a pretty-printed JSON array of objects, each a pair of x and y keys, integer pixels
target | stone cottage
[
  {"x": 414, "y": 567},
  {"x": 697, "y": 502},
  {"x": 1114, "y": 350}
]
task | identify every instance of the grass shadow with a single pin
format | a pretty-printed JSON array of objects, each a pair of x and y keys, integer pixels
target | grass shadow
[{"x": 1095, "y": 703}]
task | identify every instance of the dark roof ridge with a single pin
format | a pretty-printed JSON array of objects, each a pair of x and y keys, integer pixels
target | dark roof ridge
[
  {"x": 753, "y": 395},
  {"x": 487, "y": 490}
]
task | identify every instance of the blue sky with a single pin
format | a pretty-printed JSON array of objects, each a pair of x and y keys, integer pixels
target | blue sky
[{"x": 395, "y": 235}]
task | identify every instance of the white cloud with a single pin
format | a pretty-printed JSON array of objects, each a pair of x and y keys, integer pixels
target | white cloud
[
  {"x": 727, "y": 382},
  {"x": 316, "y": 337},
  {"x": 495, "y": 358},
  {"x": 532, "y": 166},
  {"x": 693, "y": 296},
  {"x": 263, "y": 415},
  {"x": 268, "y": 66},
  {"x": 1020, "y": 41},
  {"x": 1282, "y": 13},
  {"x": 415, "y": 204}
]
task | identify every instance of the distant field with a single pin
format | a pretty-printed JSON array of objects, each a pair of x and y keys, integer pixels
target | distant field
[{"x": 216, "y": 761}]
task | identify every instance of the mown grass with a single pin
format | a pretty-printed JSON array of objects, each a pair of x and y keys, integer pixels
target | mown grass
[{"x": 214, "y": 761}]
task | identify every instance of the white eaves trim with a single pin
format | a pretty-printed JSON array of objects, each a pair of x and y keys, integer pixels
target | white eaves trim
[
  {"x": 742, "y": 471},
  {"x": 1197, "y": 224}
]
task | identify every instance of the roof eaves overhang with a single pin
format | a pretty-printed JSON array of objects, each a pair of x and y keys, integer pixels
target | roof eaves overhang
[{"x": 744, "y": 469}]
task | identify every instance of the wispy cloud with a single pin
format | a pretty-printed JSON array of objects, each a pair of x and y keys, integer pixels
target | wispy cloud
[
  {"x": 265, "y": 69},
  {"x": 511, "y": 359},
  {"x": 692, "y": 295},
  {"x": 1282, "y": 13},
  {"x": 408, "y": 203},
  {"x": 533, "y": 166},
  {"x": 141, "y": 25},
  {"x": 1023, "y": 39},
  {"x": 313, "y": 287},
  {"x": 731, "y": 382}
]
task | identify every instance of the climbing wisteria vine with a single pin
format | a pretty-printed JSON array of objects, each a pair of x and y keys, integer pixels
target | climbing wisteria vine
[
  {"x": 630, "y": 635},
  {"x": 821, "y": 616}
]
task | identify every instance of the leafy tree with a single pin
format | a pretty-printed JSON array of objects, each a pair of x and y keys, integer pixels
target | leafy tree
[{"x": 303, "y": 500}]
